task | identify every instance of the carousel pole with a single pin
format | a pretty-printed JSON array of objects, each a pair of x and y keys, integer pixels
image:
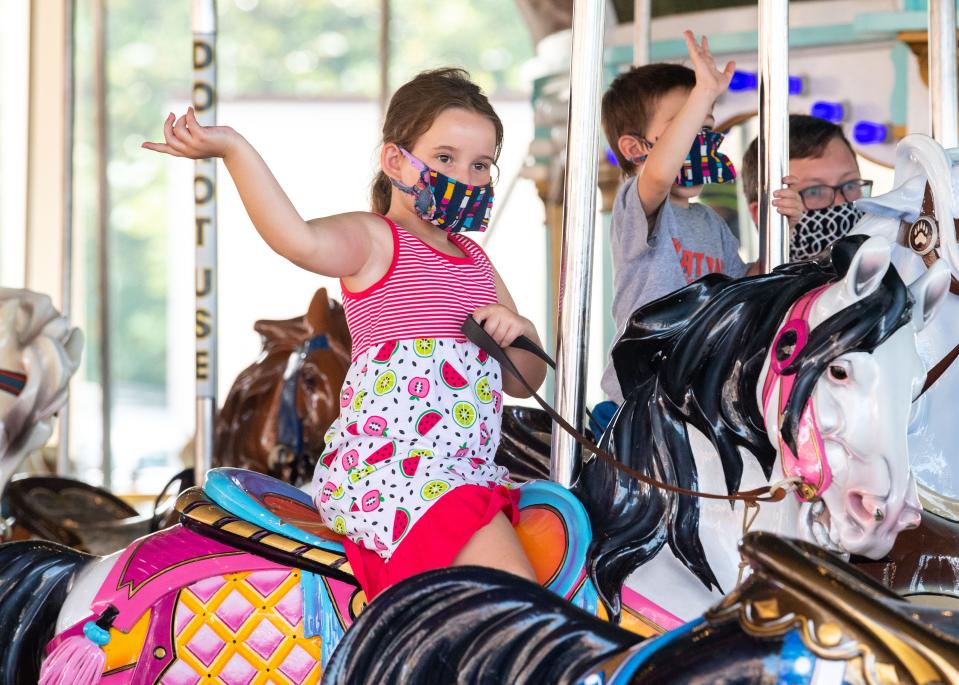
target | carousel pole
[
  {"x": 943, "y": 104},
  {"x": 773, "y": 129},
  {"x": 103, "y": 239},
  {"x": 642, "y": 14},
  {"x": 579, "y": 217},
  {"x": 66, "y": 264},
  {"x": 204, "y": 194},
  {"x": 384, "y": 57}
]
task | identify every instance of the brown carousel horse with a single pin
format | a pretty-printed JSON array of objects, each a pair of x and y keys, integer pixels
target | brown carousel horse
[{"x": 279, "y": 408}]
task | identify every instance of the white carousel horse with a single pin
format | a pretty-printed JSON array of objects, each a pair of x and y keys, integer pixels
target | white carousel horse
[
  {"x": 39, "y": 352},
  {"x": 252, "y": 581},
  {"x": 934, "y": 433},
  {"x": 721, "y": 365}
]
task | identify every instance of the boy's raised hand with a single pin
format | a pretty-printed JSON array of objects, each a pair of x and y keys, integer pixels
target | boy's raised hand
[
  {"x": 708, "y": 74},
  {"x": 185, "y": 137}
]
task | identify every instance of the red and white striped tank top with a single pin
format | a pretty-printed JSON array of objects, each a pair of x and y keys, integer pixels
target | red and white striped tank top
[{"x": 424, "y": 293}]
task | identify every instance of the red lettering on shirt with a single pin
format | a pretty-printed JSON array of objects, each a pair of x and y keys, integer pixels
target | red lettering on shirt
[{"x": 692, "y": 262}]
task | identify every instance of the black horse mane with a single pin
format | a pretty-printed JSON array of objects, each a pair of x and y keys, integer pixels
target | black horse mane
[
  {"x": 472, "y": 625},
  {"x": 693, "y": 358},
  {"x": 34, "y": 579}
]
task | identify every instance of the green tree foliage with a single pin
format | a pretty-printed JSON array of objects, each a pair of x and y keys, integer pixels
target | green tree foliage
[{"x": 266, "y": 49}]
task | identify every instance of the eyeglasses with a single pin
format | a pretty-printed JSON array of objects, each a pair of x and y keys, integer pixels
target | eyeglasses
[{"x": 820, "y": 197}]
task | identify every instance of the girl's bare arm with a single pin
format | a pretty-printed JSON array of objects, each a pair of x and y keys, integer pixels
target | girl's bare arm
[{"x": 336, "y": 246}]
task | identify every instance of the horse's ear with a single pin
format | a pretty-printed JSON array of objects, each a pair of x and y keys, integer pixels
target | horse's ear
[
  {"x": 318, "y": 315},
  {"x": 867, "y": 269},
  {"x": 929, "y": 291}
]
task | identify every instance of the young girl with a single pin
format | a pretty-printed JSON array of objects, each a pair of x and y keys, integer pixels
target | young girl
[{"x": 408, "y": 473}]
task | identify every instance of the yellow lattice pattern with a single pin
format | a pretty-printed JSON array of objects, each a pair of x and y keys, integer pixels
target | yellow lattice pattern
[{"x": 267, "y": 670}]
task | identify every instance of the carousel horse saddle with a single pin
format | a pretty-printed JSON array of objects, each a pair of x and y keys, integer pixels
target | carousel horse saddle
[
  {"x": 271, "y": 518},
  {"x": 840, "y": 612},
  {"x": 74, "y": 513}
]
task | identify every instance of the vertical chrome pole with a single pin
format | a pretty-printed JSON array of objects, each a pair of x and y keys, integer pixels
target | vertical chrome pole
[
  {"x": 204, "y": 193},
  {"x": 579, "y": 218},
  {"x": 642, "y": 16},
  {"x": 103, "y": 238},
  {"x": 943, "y": 104},
  {"x": 66, "y": 265},
  {"x": 384, "y": 57},
  {"x": 773, "y": 128}
]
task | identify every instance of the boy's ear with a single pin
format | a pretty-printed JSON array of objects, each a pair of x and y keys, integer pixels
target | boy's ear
[
  {"x": 754, "y": 212},
  {"x": 629, "y": 147}
]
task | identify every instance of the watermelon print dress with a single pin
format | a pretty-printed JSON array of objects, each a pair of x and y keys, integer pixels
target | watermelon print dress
[{"x": 421, "y": 407}]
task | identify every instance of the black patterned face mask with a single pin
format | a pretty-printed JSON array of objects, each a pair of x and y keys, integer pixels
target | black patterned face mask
[{"x": 820, "y": 228}]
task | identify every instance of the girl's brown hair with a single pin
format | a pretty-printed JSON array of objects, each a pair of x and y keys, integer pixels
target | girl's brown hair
[{"x": 414, "y": 107}]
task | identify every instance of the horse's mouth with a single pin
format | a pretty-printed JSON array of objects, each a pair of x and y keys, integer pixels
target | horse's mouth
[{"x": 819, "y": 524}]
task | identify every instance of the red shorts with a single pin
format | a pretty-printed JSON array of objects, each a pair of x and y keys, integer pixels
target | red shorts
[{"x": 435, "y": 540}]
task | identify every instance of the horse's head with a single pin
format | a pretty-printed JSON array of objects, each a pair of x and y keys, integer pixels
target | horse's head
[
  {"x": 12, "y": 374},
  {"x": 279, "y": 408},
  {"x": 39, "y": 352},
  {"x": 840, "y": 420}
]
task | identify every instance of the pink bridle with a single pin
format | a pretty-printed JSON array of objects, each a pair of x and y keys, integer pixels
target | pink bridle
[{"x": 809, "y": 463}]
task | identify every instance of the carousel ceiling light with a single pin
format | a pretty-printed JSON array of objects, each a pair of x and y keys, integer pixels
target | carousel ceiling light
[
  {"x": 743, "y": 80},
  {"x": 748, "y": 80},
  {"x": 830, "y": 111},
  {"x": 870, "y": 132}
]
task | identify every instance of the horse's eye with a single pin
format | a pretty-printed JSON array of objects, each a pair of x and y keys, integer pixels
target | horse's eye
[
  {"x": 838, "y": 372},
  {"x": 786, "y": 345}
]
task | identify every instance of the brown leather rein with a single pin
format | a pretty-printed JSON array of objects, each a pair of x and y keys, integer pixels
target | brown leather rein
[
  {"x": 923, "y": 237},
  {"x": 475, "y": 333}
]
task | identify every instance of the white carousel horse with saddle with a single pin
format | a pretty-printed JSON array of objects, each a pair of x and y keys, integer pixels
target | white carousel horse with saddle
[
  {"x": 921, "y": 217},
  {"x": 39, "y": 352}
]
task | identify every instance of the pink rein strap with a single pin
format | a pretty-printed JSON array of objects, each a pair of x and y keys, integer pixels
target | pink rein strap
[{"x": 810, "y": 461}]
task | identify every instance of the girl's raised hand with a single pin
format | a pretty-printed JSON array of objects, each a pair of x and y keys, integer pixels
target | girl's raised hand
[
  {"x": 708, "y": 75},
  {"x": 185, "y": 137}
]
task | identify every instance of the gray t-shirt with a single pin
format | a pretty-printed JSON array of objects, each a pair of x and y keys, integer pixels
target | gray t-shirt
[{"x": 686, "y": 243}]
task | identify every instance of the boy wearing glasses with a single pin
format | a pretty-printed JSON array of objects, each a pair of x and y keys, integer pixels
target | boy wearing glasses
[
  {"x": 822, "y": 184},
  {"x": 658, "y": 121}
]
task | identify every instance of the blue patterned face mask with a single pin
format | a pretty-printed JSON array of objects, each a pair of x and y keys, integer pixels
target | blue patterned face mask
[
  {"x": 704, "y": 162},
  {"x": 446, "y": 202}
]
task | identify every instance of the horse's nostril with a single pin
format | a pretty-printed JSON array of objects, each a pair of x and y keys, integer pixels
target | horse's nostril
[
  {"x": 865, "y": 508},
  {"x": 910, "y": 518}
]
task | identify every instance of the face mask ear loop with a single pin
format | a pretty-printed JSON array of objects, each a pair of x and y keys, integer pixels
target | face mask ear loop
[{"x": 416, "y": 164}]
